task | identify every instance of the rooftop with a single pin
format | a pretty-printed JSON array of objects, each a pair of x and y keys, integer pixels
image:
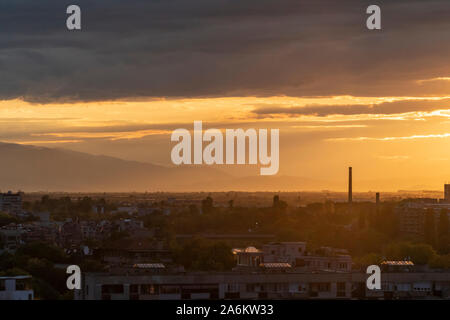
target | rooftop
[
  {"x": 398, "y": 263},
  {"x": 246, "y": 250},
  {"x": 275, "y": 265},
  {"x": 149, "y": 266},
  {"x": 15, "y": 277}
]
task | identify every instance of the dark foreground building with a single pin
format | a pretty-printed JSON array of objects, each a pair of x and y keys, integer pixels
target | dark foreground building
[{"x": 156, "y": 284}]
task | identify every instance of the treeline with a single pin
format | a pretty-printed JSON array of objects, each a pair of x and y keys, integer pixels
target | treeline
[{"x": 66, "y": 207}]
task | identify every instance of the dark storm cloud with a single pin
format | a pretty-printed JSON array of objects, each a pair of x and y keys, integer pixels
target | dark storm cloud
[
  {"x": 195, "y": 48},
  {"x": 381, "y": 108}
]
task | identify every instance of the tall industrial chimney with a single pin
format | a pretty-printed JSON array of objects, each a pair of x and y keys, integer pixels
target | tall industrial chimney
[
  {"x": 350, "y": 190},
  {"x": 377, "y": 202}
]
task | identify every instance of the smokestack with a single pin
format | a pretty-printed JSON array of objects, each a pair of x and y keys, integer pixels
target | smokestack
[
  {"x": 350, "y": 190},
  {"x": 377, "y": 201}
]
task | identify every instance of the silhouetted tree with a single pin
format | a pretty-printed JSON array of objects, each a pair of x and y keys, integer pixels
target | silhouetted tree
[
  {"x": 443, "y": 233},
  {"x": 419, "y": 253},
  {"x": 207, "y": 205},
  {"x": 276, "y": 200},
  {"x": 430, "y": 228},
  {"x": 362, "y": 220},
  {"x": 279, "y": 205},
  {"x": 201, "y": 254}
]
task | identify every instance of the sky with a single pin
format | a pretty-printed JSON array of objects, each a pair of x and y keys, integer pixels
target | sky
[{"x": 341, "y": 95}]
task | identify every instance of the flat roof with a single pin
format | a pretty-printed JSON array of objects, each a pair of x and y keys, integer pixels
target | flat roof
[
  {"x": 246, "y": 250},
  {"x": 275, "y": 265},
  {"x": 398, "y": 263},
  {"x": 149, "y": 266},
  {"x": 15, "y": 277}
]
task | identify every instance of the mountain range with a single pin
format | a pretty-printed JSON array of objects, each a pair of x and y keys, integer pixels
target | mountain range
[{"x": 32, "y": 168}]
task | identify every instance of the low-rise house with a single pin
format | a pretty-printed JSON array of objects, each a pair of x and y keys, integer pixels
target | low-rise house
[
  {"x": 16, "y": 288},
  {"x": 129, "y": 225},
  {"x": 131, "y": 251},
  {"x": 11, "y": 237},
  {"x": 11, "y": 202},
  {"x": 129, "y": 210},
  {"x": 296, "y": 255},
  {"x": 248, "y": 257},
  {"x": 43, "y": 216},
  {"x": 41, "y": 231},
  {"x": 397, "y": 266}
]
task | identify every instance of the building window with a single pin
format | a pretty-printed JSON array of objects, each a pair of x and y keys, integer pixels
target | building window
[
  {"x": 232, "y": 295},
  {"x": 233, "y": 287},
  {"x": 146, "y": 289},
  {"x": 134, "y": 288},
  {"x": 112, "y": 288},
  {"x": 302, "y": 287},
  {"x": 342, "y": 265},
  {"x": 300, "y": 262},
  {"x": 170, "y": 289},
  {"x": 340, "y": 289},
  {"x": 262, "y": 295},
  {"x": 324, "y": 287},
  {"x": 22, "y": 284},
  {"x": 320, "y": 287}
]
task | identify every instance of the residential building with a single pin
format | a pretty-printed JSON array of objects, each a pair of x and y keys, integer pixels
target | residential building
[
  {"x": 133, "y": 251},
  {"x": 447, "y": 192},
  {"x": 11, "y": 202},
  {"x": 411, "y": 215},
  {"x": 248, "y": 257},
  {"x": 16, "y": 288},
  {"x": 296, "y": 255},
  {"x": 130, "y": 210},
  {"x": 43, "y": 216},
  {"x": 261, "y": 285},
  {"x": 41, "y": 231},
  {"x": 397, "y": 266},
  {"x": 11, "y": 237},
  {"x": 70, "y": 234}
]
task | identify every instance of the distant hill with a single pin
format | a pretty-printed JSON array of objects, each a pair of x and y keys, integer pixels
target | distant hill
[{"x": 31, "y": 168}]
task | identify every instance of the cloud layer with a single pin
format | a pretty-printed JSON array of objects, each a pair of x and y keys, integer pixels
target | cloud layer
[
  {"x": 396, "y": 107},
  {"x": 201, "y": 48}
]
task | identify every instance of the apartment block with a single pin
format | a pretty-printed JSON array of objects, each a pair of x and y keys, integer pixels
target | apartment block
[
  {"x": 16, "y": 288},
  {"x": 11, "y": 202},
  {"x": 262, "y": 285}
]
